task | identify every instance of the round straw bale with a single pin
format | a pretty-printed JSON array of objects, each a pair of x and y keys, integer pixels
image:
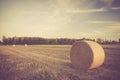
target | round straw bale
[
  {"x": 26, "y": 45},
  {"x": 13, "y": 45},
  {"x": 86, "y": 55}
]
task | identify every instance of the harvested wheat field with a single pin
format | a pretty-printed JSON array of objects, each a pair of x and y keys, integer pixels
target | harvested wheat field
[{"x": 52, "y": 62}]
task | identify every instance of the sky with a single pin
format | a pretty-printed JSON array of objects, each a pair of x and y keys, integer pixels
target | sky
[{"x": 60, "y": 18}]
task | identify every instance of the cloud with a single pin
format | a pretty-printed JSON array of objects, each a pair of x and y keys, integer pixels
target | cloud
[
  {"x": 102, "y": 22},
  {"x": 98, "y": 32},
  {"x": 113, "y": 28},
  {"x": 111, "y": 32},
  {"x": 92, "y": 34},
  {"x": 119, "y": 33},
  {"x": 81, "y": 6},
  {"x": 86, "y": 10},
  {"x": 115, "y": 8},
  {"x": 107, "y": 3}
]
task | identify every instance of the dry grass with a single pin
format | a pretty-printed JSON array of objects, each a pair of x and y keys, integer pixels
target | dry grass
[{"x": 52, "y": 62}]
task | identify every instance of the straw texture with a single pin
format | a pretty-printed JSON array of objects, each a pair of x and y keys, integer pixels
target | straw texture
[{"x": 86, "y": 55}]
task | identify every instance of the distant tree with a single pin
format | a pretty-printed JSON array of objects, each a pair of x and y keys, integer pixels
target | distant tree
[
  {"x": 39, "y": 40},
  {"x": 0, "y": 42},
  {"x": 113, "y": 42},
  {"x": 99, "y": 40},
  {"x": 5, "y": 41},
  {"x": 29, "y": 40},
  {"x": 9, "y": 40},
  {"x": 83, "y": 39}
]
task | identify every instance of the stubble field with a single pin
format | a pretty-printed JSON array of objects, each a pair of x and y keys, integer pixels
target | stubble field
[{"x": 52, "y": 62}]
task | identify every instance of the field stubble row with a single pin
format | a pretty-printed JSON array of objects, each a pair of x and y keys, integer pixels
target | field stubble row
[{"x": 52, "y": 62}]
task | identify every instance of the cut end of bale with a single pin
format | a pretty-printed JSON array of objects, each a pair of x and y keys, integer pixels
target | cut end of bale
[{"x": 86, "y": 55}]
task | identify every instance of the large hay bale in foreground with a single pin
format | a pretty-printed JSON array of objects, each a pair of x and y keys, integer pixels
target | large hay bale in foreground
[{"x": 86, "y": 55}]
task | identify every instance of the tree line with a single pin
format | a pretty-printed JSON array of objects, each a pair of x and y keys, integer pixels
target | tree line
[
  {"x": 36, "y": 40},
  {"x": 39, "y": 40}
]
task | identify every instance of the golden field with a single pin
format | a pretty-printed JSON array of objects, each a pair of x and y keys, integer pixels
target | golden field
[{"x": 52, "y": 62}]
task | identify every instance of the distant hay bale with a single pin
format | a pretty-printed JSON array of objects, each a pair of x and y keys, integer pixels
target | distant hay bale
[
  {"x": 13, "y": 45},
  {"x": 26, "y": 45},
  {"x": 86, "y": 55}
]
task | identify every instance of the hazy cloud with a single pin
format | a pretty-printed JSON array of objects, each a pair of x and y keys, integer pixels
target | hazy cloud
[
  {"x": 87, "y": 10},
  {"x": 113, "y": 28},
  {"x": 102, "y": 22},
  {"x": 115, "y": 8},
  {"x": 107, "y": 3},
  {"x": 56, "y": 18}
]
